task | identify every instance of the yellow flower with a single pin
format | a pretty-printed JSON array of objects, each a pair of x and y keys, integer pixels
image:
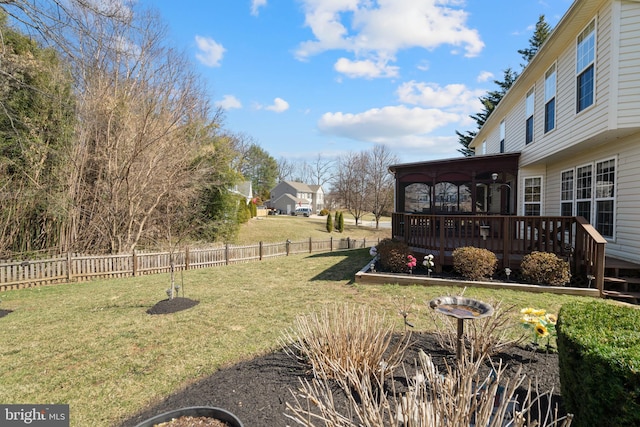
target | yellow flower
[
  {"x": 527, "y": 310},
  {"x": 541, "y": 330},
  {"x": 539, "y": 313},
  {"x": 551, "y": 318},
  {"x": 529, "y": 319}
]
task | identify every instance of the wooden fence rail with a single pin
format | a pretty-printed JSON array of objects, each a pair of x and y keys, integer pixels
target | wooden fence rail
[{"x": 16, "y": 274}]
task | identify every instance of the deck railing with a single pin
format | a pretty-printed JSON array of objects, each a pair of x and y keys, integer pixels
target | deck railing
[{"x": 509, "y": 237}]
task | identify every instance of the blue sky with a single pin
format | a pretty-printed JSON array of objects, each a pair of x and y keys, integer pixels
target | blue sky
[{"x": 325, "y": 77}]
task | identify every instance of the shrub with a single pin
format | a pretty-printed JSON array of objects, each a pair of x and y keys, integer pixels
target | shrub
[
  {"x": 599, "y": 359},
  {"x": 324, "y": 212},
  {"x": 392, "y": 255},
  {"x": 343, "y": 338},
  {"x": 329, "y": 224},
  {"x": 340, "y": 224},
  {"x": 474, "y": 263},
  {"x": 545, "y": 268}
]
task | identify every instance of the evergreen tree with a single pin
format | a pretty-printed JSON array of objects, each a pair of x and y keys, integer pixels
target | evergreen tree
[
  {"x": 341, "y": 222},
  {"x": 491, "y": 99},
  {"x": 329, "y": 223},
  {"x": 336, "y": 220},
  {"x": 540, "y": 35}
]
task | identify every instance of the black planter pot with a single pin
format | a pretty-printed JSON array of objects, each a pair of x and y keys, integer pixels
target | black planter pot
[{"x": 195, "y": 411}]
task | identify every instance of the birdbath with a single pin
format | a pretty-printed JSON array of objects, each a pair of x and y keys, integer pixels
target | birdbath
[{"x": 461, "y": 308}]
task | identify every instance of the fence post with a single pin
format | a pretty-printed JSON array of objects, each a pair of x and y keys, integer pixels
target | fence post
[
  {"x": 348, "y": 243},
  {"x": 310, "y": 245},
  {"x": 226, "y": 254},
  {"x": 260, "y": 251},
  {"x": 134, "y": 263},
  {"x": 186, "y": 258},
  {"x": 288, "y": 243},
  {"x": 364, "y": 242},
  {"x": 331, "y": 244},
  {"x": 69, "y": 267}
]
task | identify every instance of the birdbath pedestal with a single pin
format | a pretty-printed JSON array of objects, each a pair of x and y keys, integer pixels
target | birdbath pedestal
[{"x": 461, "y": 308}]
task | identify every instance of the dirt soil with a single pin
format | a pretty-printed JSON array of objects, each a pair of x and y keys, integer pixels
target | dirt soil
[{"x": 257, "y": 390}]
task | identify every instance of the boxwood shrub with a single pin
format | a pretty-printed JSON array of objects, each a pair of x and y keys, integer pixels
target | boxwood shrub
[
  {"x": 392, "y": 255},
  {"x": 474, "y": 263},
  {"x": 599, "y": 357}
]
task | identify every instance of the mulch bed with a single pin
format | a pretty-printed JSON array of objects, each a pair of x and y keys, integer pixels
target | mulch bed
[
  {"x": 168, "y": 306},
  {"x": 257, "y": 390}
]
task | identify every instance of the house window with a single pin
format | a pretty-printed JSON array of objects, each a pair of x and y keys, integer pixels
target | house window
[
  {"x": 533, "y": 196},
  {"x": 585, "y": 63},
  {"x": 605, "y": 196},
  {"x": 583, "y": 191},
  {"x": 550, "y": 99},
  {"x": 529, "y": 110},
  {"x": 566, "y": 193},
  {"x": 502, "y": 136}
]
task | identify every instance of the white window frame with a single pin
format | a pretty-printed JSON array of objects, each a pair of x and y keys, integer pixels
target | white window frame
[
  {"x": 579, "y": 198},
  {"x": 586, "y": 50},
  {"x": 550, "y": 89},
  {"x": 599, "y": 195},
  {"x": 567, "y": 190},
  {"x": 526, "y": 202},
  {"x": 530, "y": 107}
]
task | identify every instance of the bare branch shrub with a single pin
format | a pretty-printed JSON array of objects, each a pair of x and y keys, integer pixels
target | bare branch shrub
[
  {"x": 484, "y": 337},
  {"x": 460, "y": 397},
  {"x": 343, "y": 341}
]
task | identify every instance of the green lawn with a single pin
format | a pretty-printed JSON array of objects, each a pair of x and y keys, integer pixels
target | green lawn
[
  {"x": 279, "y": 228},
  {"x": 93, "y": 346}
]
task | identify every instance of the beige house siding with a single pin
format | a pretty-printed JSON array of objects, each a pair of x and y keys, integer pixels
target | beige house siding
[
  {"x": 571, "y": 127},
  {"x": 626, "y": 239},
  {"x": 629, "y": 64}
]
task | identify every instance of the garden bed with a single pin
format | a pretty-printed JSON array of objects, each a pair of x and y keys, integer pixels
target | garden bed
[{"x": 368, "y": 277}]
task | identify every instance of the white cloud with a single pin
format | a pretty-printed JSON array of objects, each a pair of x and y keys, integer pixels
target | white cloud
[
  {"x": 229, "y": 102},
  {"x": 379, "y": 29},
  {"x": 387, "y": 124},
  {"x": 279, "y": 105},
  {"x": 211, "y": 52},
  {"x": 257, "y": 4},
  {"x": 454, "y": 97},
  {"x": 484, "y": 76},
  {"x": 367, "y": 69}
]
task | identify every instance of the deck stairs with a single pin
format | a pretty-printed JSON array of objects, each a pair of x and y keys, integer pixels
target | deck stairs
[{"x": 622, "y": 280}]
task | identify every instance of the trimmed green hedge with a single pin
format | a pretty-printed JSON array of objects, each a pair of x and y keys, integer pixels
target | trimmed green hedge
[{"x": 599, "y": 356}]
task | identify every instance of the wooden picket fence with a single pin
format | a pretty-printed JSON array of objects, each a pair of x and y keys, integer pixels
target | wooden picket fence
[{"x": 17, "y": 274}]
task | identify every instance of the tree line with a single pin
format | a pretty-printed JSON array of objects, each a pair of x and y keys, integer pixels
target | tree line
[{"x": 108, "y": 141}]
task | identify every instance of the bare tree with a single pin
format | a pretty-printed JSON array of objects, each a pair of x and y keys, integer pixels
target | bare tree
[
  {"x": 141, "y": 115},
  {"x": 285, "y": 169},
  {"x": 380, "y": 181},
  {"x": 350, "y": 184},
  {"x": 322, "y": 169}
]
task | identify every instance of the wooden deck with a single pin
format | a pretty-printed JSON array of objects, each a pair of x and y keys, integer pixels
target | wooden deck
[{"x": 509, "y": 237}]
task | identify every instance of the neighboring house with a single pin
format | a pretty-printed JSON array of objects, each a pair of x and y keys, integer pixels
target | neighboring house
[
  {"x": 244, "y": 189},
  {"x": 574, "y": 117},
  {"x": 564, "y": 142},
  {"x": 289, "y": 195}
]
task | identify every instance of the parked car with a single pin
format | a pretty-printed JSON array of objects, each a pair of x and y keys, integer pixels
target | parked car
[{"x": 303, "y": 211}]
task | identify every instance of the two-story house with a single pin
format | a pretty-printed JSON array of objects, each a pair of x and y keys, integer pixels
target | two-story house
[
  {"x": 564, "y": 142},
  {"x": 574, "y": 117},
  {"x": 288, "y": 196}
]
